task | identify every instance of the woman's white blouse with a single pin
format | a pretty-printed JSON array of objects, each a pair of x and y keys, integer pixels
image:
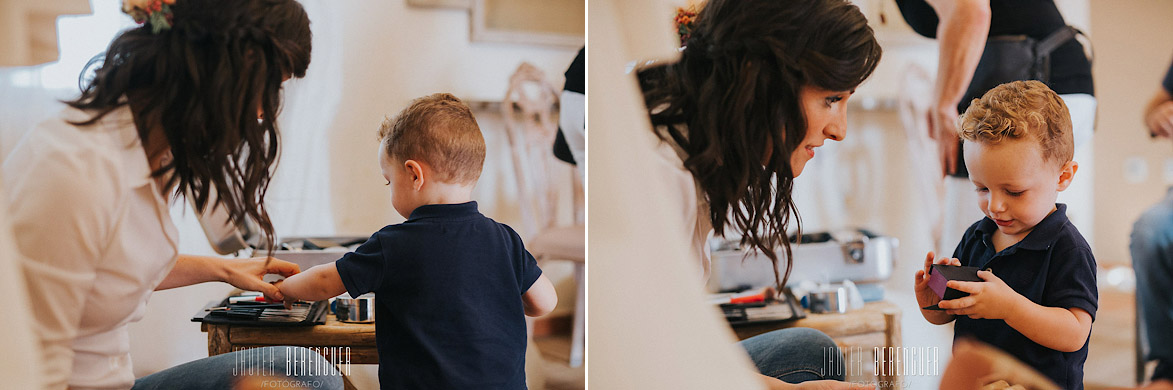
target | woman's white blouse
[
  {"x": 96, "y": 238},
  {"x": 694, "y": 225}
]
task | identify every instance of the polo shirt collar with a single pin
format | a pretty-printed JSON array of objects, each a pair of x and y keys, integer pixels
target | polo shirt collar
[
  {"x": 445, "y": 211},
  {"x": 1040, "y": 238}
]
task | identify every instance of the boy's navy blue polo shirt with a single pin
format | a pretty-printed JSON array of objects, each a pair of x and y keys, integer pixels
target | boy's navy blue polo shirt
[
  {"x": 448, "y": 284},
  {"x": 1053, "y": 266}
]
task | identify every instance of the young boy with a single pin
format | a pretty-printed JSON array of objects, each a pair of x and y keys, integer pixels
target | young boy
[
  {"x": 452, "y": 286},
  {"x": 1038, "y": 296}
]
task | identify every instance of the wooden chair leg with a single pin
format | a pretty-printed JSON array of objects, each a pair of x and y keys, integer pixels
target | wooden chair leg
[
  {"x": 1140, "y": 345},
  {"x": 578, "y": 334},
  {"x": 892, "y": 339}
]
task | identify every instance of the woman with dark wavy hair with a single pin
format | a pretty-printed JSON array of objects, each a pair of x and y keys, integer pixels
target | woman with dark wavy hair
[
  {"x": 182, "y": 105},
  {"x": 759, "y": 86}
]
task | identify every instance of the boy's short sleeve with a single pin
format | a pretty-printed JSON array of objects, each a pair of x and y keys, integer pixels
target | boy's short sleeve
[
  {"x": 1072, "y": 281},
  {"x": 362, "y": 270},
  {"x": 529, "y": 271},
  {"x": 527, "y": 266}
]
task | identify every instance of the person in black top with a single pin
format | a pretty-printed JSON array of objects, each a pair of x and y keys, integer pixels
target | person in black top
[
  {"x": 452, "y": 287},
  {"x": 1152, "y": 253},
  {"x": 570, "y": 142},
  {"x": 963, "y": 32},
  {"x": 1038, "y": 297}
]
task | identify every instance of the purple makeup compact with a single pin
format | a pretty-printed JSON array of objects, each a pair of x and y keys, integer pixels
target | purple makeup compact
[{"x": 942, "y": 274}]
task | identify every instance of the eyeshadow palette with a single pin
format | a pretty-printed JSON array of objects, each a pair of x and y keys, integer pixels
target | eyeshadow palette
[
  {"x": 942, "y": 274},
  {"x": 263, "y": 314}
]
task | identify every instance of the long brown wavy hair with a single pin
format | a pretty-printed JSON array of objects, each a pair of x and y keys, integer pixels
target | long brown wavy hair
[
  {"x": 203, "y": 82},
  {"x": 734, "y": 96}
]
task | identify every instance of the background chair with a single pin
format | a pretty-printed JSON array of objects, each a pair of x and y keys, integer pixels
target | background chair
[{"x": 552, "y": 223}]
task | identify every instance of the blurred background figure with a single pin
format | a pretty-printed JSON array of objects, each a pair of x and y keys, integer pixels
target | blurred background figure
[
  {"x": 23, "y": 43},
  {"x": 1152, "y": 255}
]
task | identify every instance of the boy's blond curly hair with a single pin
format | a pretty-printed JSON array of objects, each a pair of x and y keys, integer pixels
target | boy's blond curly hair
[
  {"x": 1018, "y": 110},
  {"x": 441, "y": 131}
]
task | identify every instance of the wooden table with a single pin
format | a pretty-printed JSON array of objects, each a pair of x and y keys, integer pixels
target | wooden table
[
  {"x": 873, "y": 331},
  {"x": 341, "y": 342}
]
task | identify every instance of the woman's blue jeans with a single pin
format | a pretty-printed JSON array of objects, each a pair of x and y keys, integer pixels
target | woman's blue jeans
[
  {"x": 795, "y": 355},
  {"x": 281, "y": 368},
  {"x": 1152, "y": 259}
]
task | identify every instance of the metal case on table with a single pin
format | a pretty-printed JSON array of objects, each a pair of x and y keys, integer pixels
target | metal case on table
[{"x": 857, "y": 255}]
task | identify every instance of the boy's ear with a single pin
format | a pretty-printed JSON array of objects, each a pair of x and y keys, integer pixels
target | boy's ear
[
  {"x": 1066, "y": 173},
  {"x": 416, "y": 170}
]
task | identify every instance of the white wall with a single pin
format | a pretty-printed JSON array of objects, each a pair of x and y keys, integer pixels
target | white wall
[
  {"x": 394, "y": 53},
  {"x": 1133, "y": 52}
]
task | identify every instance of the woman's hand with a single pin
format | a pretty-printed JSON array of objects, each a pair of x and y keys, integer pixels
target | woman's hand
[
  {"x": 975, "y": 365},
  {"x": 247, "y": 274}
]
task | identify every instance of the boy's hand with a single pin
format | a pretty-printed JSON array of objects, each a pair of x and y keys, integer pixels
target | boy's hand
[
  {"x": 924, "y": 295},
  {"x": 246, "y": 274},
  {"x": 991, "y": 299},
  {"x": 288, "y": 301}
]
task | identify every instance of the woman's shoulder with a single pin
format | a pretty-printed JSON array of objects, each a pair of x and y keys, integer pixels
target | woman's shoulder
[
  {"x": 59, "y": 153},
  {"x": 74, "y": 131}
]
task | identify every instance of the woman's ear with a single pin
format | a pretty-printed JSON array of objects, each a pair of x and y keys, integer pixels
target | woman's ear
[
  {"x": 1066, "y": 173},
  {"x": 416, "y": 170}
]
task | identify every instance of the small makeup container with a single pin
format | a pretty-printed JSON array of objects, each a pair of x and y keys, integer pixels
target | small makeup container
[
  {"x": 829, "y": 299},
  {"x": 359, "y": 310}
]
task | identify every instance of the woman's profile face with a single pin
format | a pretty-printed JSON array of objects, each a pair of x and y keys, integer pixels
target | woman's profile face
[{"x": 826, "y": 118}]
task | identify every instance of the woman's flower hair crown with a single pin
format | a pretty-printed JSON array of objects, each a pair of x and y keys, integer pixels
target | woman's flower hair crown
[
  {"x": 156, "y": 12},
  {"x": 685, "y": 20}
]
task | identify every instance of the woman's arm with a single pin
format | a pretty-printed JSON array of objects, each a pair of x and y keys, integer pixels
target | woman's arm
[
  {"x": 975, "y": 364},
  {"x": 245, "y": 274}
]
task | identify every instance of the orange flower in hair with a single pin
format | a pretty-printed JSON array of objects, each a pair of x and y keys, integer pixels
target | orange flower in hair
[{"x": 685, "y": 22}]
